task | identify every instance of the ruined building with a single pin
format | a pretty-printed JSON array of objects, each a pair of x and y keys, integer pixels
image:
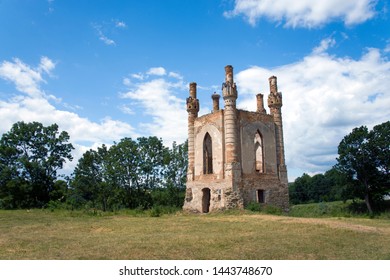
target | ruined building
[{"x": 235, "y": 157}]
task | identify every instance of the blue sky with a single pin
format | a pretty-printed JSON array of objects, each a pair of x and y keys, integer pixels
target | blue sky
[{"x": 104, "y": 70}]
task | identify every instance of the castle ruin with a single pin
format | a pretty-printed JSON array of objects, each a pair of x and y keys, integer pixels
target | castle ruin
[{"x": 235, "y": 157}]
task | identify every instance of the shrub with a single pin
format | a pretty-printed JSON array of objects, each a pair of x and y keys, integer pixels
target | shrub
[
  {"x": 254, "y": 207},
  {"x": 273, "y": 210},
  {"x": 155, "y": 211}
]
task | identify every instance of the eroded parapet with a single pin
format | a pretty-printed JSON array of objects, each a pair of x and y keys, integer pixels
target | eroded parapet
[
  {"x": 229, "y": 90},
  {"x": 274, "y": 97},
  {"x": 192, "y": 101},
  {"x": 215, "y": 98},
  {"x": 260, "y": 103}
]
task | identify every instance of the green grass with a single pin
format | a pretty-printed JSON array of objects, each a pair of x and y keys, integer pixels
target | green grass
[
  {"x": 347, "y": 209},
  {"x": 39, "y": 234}
]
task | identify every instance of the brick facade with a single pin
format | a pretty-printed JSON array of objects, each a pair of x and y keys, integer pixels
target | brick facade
[{"x": 235, "y": 157}]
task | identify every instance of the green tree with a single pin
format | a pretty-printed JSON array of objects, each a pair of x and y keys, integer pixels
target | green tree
[
  {"x": 339, "y": 185},
  {"x": 126, "y": 171},
  {"x": 175, "y": 176},
  {"x": 364, "y": 158},
  {"x": 131, "y": 173},
  {"x": 151, "y": 153},
  {"x": 93, "y": 181},
  {"x": 300, "y": 189},
  {"x": 30, "y": 156},
  {"x": 330, "y": 186}
]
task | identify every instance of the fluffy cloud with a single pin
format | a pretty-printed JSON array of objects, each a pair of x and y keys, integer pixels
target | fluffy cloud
[
  {"x": 32, "y": 104},
  {"x": 158, "y": 71},
  {"x": 324, "y": 98},
  {"x": 26, "y": 78},
  {"x": 304, "y": 13},
  {"x": 160, "y": 99}
]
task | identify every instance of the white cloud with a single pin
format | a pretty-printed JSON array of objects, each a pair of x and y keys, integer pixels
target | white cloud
[
  {"x": 158, "y": 97},
  {"x": 304, "y": 13},
  {"x": 138, "y": 76},
  {"x": 324, "y": 45},
  {"x": 102, "y": 36},
  {"x": 387, "y": 48},
  {"x": 120, "y": 24},
  {"x": 157, "y": 71},
  {"x": 324, "y": 98},
  {"x": 126, "y": 110},
  {"x": 25, "y": 78},
  {"x": 105, "y": 39},
  {"x": 33, "y": 105},
  {"x": 46, "y": 65},
  {"x": 175, "y": 75}
]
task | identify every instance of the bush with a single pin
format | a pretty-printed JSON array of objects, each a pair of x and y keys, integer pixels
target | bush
[
  {"x": 53, "y": 205},
  {"x": 272, "y": 210},
  {"x": 254, "y": 207},
  {"x": 267, "y": 209},
  {"x": 156, "y": 211}
]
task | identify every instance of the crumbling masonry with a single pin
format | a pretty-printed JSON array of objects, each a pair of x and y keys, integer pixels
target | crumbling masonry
[{"x": 235, "y": 157}]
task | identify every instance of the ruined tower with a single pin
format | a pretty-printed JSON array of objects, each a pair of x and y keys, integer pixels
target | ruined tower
[{"x": 235, "y": 157}]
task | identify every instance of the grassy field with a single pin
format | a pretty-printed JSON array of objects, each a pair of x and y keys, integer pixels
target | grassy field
[{"x": 39, "y": 234}]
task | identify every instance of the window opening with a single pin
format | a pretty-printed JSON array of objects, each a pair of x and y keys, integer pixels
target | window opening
[
  {"x": 260, "y": 196},
  {"x": 259, "y": 155},
  {"x": 207, "y": 155}
]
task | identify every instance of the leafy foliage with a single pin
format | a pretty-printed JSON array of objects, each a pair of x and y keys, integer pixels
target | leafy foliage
[
  {"x": 131, "y": 174},
  {"x": 30, "y": 156},
  {"x": 362, "y": 171},
  {"x": 364, "y": 157},
  {"x": 331, "y": 186}
]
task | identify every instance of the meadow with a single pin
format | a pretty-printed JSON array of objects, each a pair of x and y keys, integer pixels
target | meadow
[{"x": 62, "y": 234}]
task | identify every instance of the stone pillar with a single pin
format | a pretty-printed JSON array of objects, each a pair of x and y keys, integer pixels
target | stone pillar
[
  {"x": 260, "y": 103},
  {"x": 192, "y": 109},
  {"x": 215, "y": 98},
  {"x": 275, "y": 104},
  {"x": 232, "y": 143},
  {"x": 229, "y": 91}
]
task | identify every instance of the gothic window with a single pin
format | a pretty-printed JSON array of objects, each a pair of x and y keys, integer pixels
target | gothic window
[
  {"x": 207, "y": 155},
  {"x": 259, "y": 155}
]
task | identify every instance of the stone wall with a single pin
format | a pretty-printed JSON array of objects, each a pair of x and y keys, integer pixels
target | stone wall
[
  {"x": 275, "y": 192},
  {"x": 249, "y": 125},
  {"x": 212, "y": 124},
  {"x": 222, "y": 195},
  {"x": 247, "y": 152}
]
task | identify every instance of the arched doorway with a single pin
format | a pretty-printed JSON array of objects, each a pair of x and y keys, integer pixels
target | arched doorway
[{"x": 206, "y": 200}]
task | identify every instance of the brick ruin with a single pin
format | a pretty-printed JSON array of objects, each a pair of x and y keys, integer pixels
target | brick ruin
[{"x": 235, "y": 157}]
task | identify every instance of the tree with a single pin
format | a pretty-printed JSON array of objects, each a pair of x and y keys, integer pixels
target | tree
[
  {"x": 123, "y": 175},
  {"x": 174, "y": 176},
  {"x": 300, "y": 189},
  {"x": 95, "y": 182},
  {"x": 364, "y": 157},
  {"x": 126, "y": 172},
  {"x": 30, "y": 156},
  {"x": 330, "y": 186}
]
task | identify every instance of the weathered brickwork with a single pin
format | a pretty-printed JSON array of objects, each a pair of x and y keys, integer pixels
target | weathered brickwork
[{"x": 235, "y": 157}]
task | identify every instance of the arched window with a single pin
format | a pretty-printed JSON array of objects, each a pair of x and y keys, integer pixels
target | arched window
[
  {"x": 259, "y": 155},
  {"x": 207, "y": 155}
]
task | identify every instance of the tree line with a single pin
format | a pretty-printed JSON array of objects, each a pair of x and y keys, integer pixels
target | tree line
[
  {"x": 129, "y": 174},
  {"x": 361, "y": 171},
  {"x": 142, "y": 173}
]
